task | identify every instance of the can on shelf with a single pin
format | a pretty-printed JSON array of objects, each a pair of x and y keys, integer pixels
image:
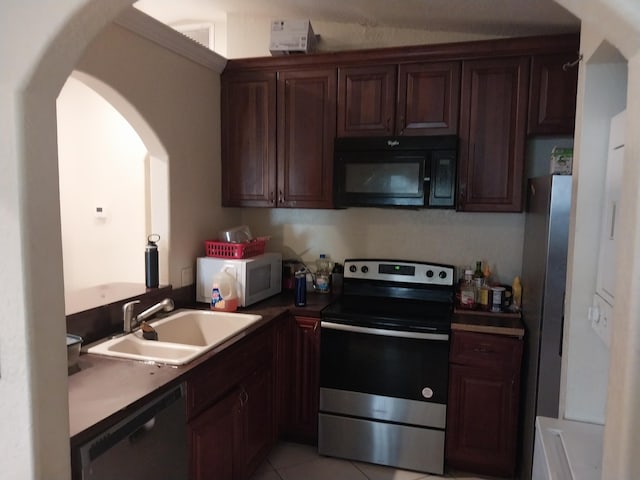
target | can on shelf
[{"x": 497, "y": 298}]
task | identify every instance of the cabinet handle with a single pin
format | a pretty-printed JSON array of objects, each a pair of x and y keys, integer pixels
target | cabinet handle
[
  {"x": 244, "y": 396},
  {"x": 483, "y": 350},
  {"x": 280, "y": 197},
  {"x": 271, "y": 197}
]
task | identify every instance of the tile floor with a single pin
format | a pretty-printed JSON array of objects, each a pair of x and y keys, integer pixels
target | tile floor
[{"x": 293, "y": 461}]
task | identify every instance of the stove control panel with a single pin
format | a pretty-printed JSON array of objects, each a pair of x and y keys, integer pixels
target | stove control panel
[{"x": 400, "y": 271}]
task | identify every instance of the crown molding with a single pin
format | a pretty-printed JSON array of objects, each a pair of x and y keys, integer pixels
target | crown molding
[{"x": 148, "y": 27}]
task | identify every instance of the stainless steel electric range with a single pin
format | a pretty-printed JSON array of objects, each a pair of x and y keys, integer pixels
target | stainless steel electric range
[{"x": 384, "y": 364}]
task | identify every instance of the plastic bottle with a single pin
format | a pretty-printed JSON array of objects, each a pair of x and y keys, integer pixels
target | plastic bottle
[
  {"x": 337, "y": 278},
  {"x": 468, "y": 291},
  {"x": 478, "y": 276},
  {"x": 516, "y": 288},
  {"x": 151, "y": 261},
  {"x": 224, "y": 296},
  {"x": 323, "y": 274}
]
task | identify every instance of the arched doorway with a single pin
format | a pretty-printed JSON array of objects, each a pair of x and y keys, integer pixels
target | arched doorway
[
  {"x": 113, "y": 186},
  {"x": 42, "y": 45}
]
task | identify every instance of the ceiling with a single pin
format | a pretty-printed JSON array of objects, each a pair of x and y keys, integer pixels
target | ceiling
[{"x": 487, "y": 17}]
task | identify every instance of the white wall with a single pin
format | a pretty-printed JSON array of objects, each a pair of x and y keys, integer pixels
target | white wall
[
  {"x": 39, "y": 45},
  {"x": 443, "y": 236},
  {"x": 101, "y": 164},
  {"x": 618, "y": 23},
  {"x": 249, "y": 36},
  {"x": 180, "y": 102}
]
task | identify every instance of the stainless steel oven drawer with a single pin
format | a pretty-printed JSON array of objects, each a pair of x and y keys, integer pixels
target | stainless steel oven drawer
[
  {"x": 400, "y": 446},
  {"x": 378, "y": 407}
]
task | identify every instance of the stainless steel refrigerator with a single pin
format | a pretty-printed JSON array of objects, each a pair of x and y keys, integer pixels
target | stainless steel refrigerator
[{"x": 544, "y": 269}]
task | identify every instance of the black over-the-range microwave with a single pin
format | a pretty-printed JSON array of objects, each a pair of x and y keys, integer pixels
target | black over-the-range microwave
[{"x": 409, "y": 172}]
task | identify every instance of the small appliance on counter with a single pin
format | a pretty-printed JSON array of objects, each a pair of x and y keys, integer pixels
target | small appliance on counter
[{"x": 257, "y": 278}]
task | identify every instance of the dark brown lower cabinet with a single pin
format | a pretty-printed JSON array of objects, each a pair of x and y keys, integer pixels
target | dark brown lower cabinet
[
  {"x": 305, "y": 381},
  {"x": 483, "y": 405},
  {"x": 214, "y": 440},
  {"x": 230, "y": 410}
]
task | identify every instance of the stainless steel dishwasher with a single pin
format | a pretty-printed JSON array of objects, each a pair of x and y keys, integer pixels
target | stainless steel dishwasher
[{"x": 149, "y": 444}]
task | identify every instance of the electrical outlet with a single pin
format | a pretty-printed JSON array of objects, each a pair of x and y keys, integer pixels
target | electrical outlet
[{"x": 187, "y": 277}]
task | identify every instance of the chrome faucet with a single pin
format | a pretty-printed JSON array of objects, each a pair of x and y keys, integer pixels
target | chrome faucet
[{"x": 131, "y": 322}]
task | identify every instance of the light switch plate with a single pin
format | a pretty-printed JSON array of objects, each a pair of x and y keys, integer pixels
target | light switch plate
[{"x": 601, "y": 315}]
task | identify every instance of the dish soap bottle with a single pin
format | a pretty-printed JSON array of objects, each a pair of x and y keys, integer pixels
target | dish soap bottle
[{"x": 224, "y": 296}]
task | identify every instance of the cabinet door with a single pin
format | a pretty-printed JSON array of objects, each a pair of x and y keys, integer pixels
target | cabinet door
[
  {"x": 248, "y": 139},
  {"x": 428, "y": 99},
  {"x": 214, "y": 440},
  {"x": 305, "y": 380},
  {"x": 482, "y": 420},
  {"x": 306, "y": 130},
  {"x": 492, "y": 134},
  {"x": 257, "y": 417},
  {"x": 366, "y": 100},
  {"x": 552, "y": 104}
]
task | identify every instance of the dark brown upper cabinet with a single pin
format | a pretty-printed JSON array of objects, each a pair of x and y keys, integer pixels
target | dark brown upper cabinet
[
  {"x": 306, "y": 131},
  {"x": 552, "y": 102},
  {"x": 280, "y": 115},
  {"x": 249, "y": 139},
  {"x": 492, "y": 134},
  {"x": 278, "y": 153},
  {"x": 405, "y": 99},
  {"x": 366, "y": 102},
  {"x": 428, "y": 98}
]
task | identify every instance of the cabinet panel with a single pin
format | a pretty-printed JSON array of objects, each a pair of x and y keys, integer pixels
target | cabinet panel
[
  {"x": 214, "y": 439},
  {"x": 552, "y": 105},
  {"x": 366, "y": 100},
  {"x": 306, "y": 130},
  {"x": 428, "y": 99},
  {"x": 481, "y": 424},
  {"x": 305, "y": 380},
  {"x": 213, "y": 379},
  {"x": 484, "y": 393},
  {"x": 492, "y": 134},
  {"x": 248, "y": 139},
  {"x": 257, "y": 432}
]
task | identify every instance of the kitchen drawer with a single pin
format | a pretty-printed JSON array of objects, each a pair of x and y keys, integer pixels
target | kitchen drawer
[
  {"x": 485, "y": 350},
  {"x": 225, "y": 371}
]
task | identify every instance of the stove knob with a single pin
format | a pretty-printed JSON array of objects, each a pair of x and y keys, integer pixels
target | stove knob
[
  {"x": 364, "y": 269},
  {"x": 429, "y": 273},
  {"x": 353, "y": 269},
  {"x": 442, "y": 274}
]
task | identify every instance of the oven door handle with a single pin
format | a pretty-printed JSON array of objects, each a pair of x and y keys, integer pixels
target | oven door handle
[{"x": 442, "y": 337}]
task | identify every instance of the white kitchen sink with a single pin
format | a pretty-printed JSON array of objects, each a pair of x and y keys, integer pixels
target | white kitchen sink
[{"x": 182, "y": 337}]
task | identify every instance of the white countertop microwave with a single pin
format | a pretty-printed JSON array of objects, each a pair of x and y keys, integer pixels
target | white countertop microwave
[{"x": 257, "y": 277}]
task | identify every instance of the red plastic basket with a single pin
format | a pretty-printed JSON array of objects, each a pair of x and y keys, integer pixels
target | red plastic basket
[{"x": 214, "y": 248}]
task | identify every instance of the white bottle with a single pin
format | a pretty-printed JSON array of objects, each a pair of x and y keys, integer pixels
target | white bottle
[{"x": 224, "y": 296}]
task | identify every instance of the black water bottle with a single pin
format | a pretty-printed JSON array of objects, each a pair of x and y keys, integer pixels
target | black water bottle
[{"x": 151, "y": 261}]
